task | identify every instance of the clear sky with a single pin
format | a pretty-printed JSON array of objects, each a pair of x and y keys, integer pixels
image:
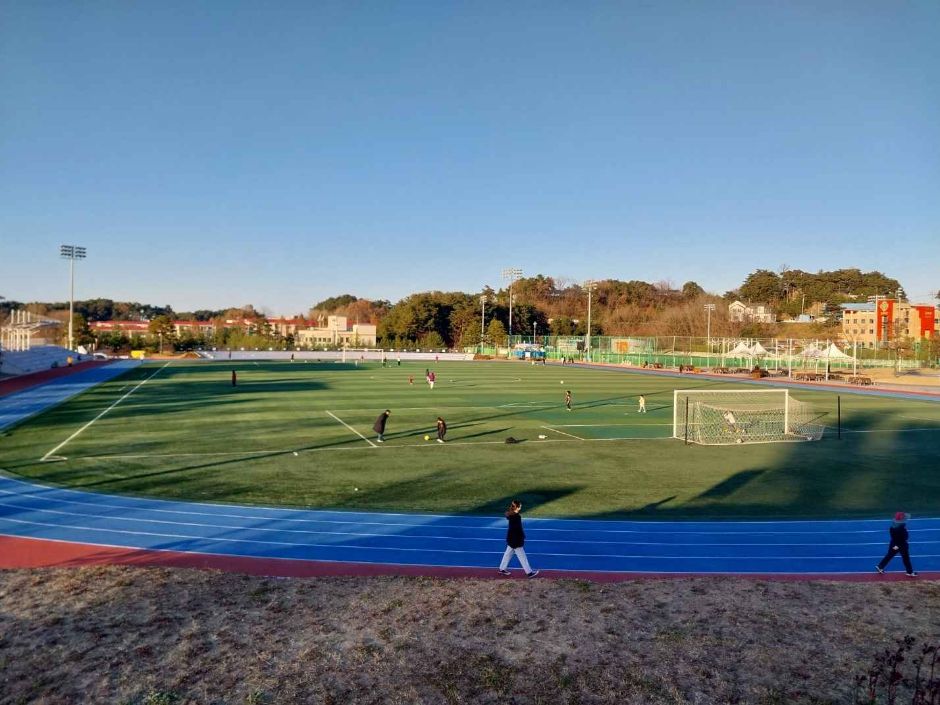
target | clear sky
[{"x": 222, "y": 153}]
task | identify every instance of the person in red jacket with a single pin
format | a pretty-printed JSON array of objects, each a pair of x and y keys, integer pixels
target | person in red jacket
[
  {"x": 515, "y": 540},
  {"x": 898, "y": 545}
]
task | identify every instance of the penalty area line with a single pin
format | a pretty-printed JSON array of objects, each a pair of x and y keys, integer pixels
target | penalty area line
[
  {"x": 51, "y": 454},
  {"x": 563, "y": 433},
  {"x": 352, "y": 429}
]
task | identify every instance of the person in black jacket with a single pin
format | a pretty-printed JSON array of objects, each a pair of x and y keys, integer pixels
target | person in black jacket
[
  {"x": 379, "y": 425},
  {"x": 441, "y": 429},
  {"x": 898, "y": 545},
  {"x": 515, "y": 540}
]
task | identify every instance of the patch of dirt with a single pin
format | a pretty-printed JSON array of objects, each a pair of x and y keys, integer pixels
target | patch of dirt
[{"x": 161, "y": 636}]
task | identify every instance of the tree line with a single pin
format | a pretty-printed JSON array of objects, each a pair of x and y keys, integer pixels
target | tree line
[{"x": 541, "y": 305}]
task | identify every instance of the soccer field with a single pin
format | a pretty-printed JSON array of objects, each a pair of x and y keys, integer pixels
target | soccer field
[{"x": 300, "y": 434}]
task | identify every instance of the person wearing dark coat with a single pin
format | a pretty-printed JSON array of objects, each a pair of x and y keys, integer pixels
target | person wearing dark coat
[
  {"x": 515, "y": 540},
  {"x": 898, "y": 545},
  {"x": 379, "y": 425},
  {"x": 441, "y": 429},
  {"x": 234, "y": 378}
]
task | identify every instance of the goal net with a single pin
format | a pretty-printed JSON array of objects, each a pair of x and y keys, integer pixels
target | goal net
[{"x": 710, "y": 417}]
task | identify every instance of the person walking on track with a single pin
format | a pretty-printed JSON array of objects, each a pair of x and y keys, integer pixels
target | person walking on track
[
  {"x": 898, "y": 544},
  {"x": 379, "y": 425},
  {"x": 515, "y": 540}
]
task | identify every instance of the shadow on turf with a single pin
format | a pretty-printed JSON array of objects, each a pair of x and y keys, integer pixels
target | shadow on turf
[{"x": 814, "y": 479}]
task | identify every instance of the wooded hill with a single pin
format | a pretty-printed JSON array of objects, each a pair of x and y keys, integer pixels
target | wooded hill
[{"x": 545, "y": 305}]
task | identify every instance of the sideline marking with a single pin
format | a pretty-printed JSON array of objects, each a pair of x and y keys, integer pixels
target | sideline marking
[
  {"x": 570, "y": 435},
  {"x": 352, "y": 429},
  {"x": 48, "y": 456}
]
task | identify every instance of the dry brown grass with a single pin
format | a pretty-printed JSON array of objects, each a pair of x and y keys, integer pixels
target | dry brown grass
[{"x": 159, "y": 636}]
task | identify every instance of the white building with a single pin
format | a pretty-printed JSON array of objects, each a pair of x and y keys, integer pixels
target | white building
[
  {"x": 336, "y": 333},
  {"x": 746, "y": 313}
]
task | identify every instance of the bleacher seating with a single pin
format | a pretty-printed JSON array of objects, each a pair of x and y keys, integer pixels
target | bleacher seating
[{"x": 43, "y": 357}]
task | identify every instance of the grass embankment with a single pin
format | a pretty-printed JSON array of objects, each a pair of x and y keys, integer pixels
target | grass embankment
[{"x": 148, "y": 636}]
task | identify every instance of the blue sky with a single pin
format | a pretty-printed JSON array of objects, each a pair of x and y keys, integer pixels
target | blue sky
[{"x": 223, "y": 153}]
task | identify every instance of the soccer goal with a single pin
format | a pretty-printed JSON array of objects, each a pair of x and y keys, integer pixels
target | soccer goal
[{"x": 713, "y": 417}]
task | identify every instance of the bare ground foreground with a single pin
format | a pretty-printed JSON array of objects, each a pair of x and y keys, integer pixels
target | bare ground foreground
[{"x": 161, "y": 636}]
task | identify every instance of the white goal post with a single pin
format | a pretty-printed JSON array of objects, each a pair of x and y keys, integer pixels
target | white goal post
[{"x": 724, "y": 417}]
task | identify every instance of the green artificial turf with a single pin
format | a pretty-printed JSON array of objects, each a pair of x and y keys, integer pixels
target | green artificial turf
[{"x": 186, "y": 433}]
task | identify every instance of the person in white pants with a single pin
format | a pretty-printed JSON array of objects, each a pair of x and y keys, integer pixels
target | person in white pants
[
  {"x": 642, "y": 409},
  {"x": 515, "y": 540}
]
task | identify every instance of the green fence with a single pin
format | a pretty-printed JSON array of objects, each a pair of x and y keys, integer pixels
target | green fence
[{"x": 701, "y": 352}]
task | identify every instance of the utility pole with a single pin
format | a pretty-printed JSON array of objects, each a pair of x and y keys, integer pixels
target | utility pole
[
  {"x": 71, "y": 253},
  {"x": 589, "y": 284}
]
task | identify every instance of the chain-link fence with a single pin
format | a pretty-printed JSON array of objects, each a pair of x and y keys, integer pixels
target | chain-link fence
[{"x": 714, "y": 353}]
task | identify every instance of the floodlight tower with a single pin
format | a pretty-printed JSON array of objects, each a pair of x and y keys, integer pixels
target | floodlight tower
[
  {"x": 589, "y": 284},
  {"x": 482, "y": 321},
  {"x": 71, "y": 253},
  {"x": 511, "y": 274},
  {"x": 708, "y": 326}
]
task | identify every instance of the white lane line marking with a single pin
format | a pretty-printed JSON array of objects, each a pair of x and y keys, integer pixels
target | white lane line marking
[
  {"x": 570, "y": 435},
  {"x": 352, "y": 429},
  {"x": 402, "y": 549},
  {"x": 51, "y": 453},
  {"x": 482, "y": 532}
]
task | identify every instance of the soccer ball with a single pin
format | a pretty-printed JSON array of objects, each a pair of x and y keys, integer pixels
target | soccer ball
[
  {"x": 427, "y": 438},
  {"x": 740, "y": 440},
  {"x": 542, "y": 436},
  {"x": 562, "y": 382}
]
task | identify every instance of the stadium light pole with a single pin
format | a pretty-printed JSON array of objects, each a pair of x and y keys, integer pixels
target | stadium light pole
[
  {"x": 482, "y": 321},
  {"x": 71, "y": 253},
  {"x": 589, "y": 285},
  {"x": 708, "y": 326},
  {"x": 708, "y": 330},
  {"x": 511, "y": 274}
]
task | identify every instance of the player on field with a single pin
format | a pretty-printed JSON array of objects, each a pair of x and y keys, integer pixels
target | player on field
[
  {"x": 732, "y": 422},
  {"x": 568, "y": 399},
  {"x": 642, "y": 409},
  {"x": 379, "y": 425},
  {"x": 441, "y": 429}
]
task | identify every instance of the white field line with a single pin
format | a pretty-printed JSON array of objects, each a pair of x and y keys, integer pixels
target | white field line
[
  {"x": 141, "y": 383},
  {"x": 352, "y": 429},
  {"x": 570, "y": 435},
  {"x": 394, "y": 446},
  {"x": 605, "y": 425},
  {"x": 884, "y": 430}
]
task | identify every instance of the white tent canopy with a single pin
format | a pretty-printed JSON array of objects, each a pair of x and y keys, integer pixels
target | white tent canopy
[
  {"x": 833, "y": 353},
  {"x": 740, "y": 349},
  {"x": 758, "y": 349},
  {"x": 812, "y": 352}
]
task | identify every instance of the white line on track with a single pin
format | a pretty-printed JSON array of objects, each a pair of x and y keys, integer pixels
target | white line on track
[
  {"x": 398, "y": 535},
  {"x": 352, "y": 429},
  {"x": 48, "y": 455},
  {"x": 570, "y": 435},
  {"x": 402, "y": 549}
]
